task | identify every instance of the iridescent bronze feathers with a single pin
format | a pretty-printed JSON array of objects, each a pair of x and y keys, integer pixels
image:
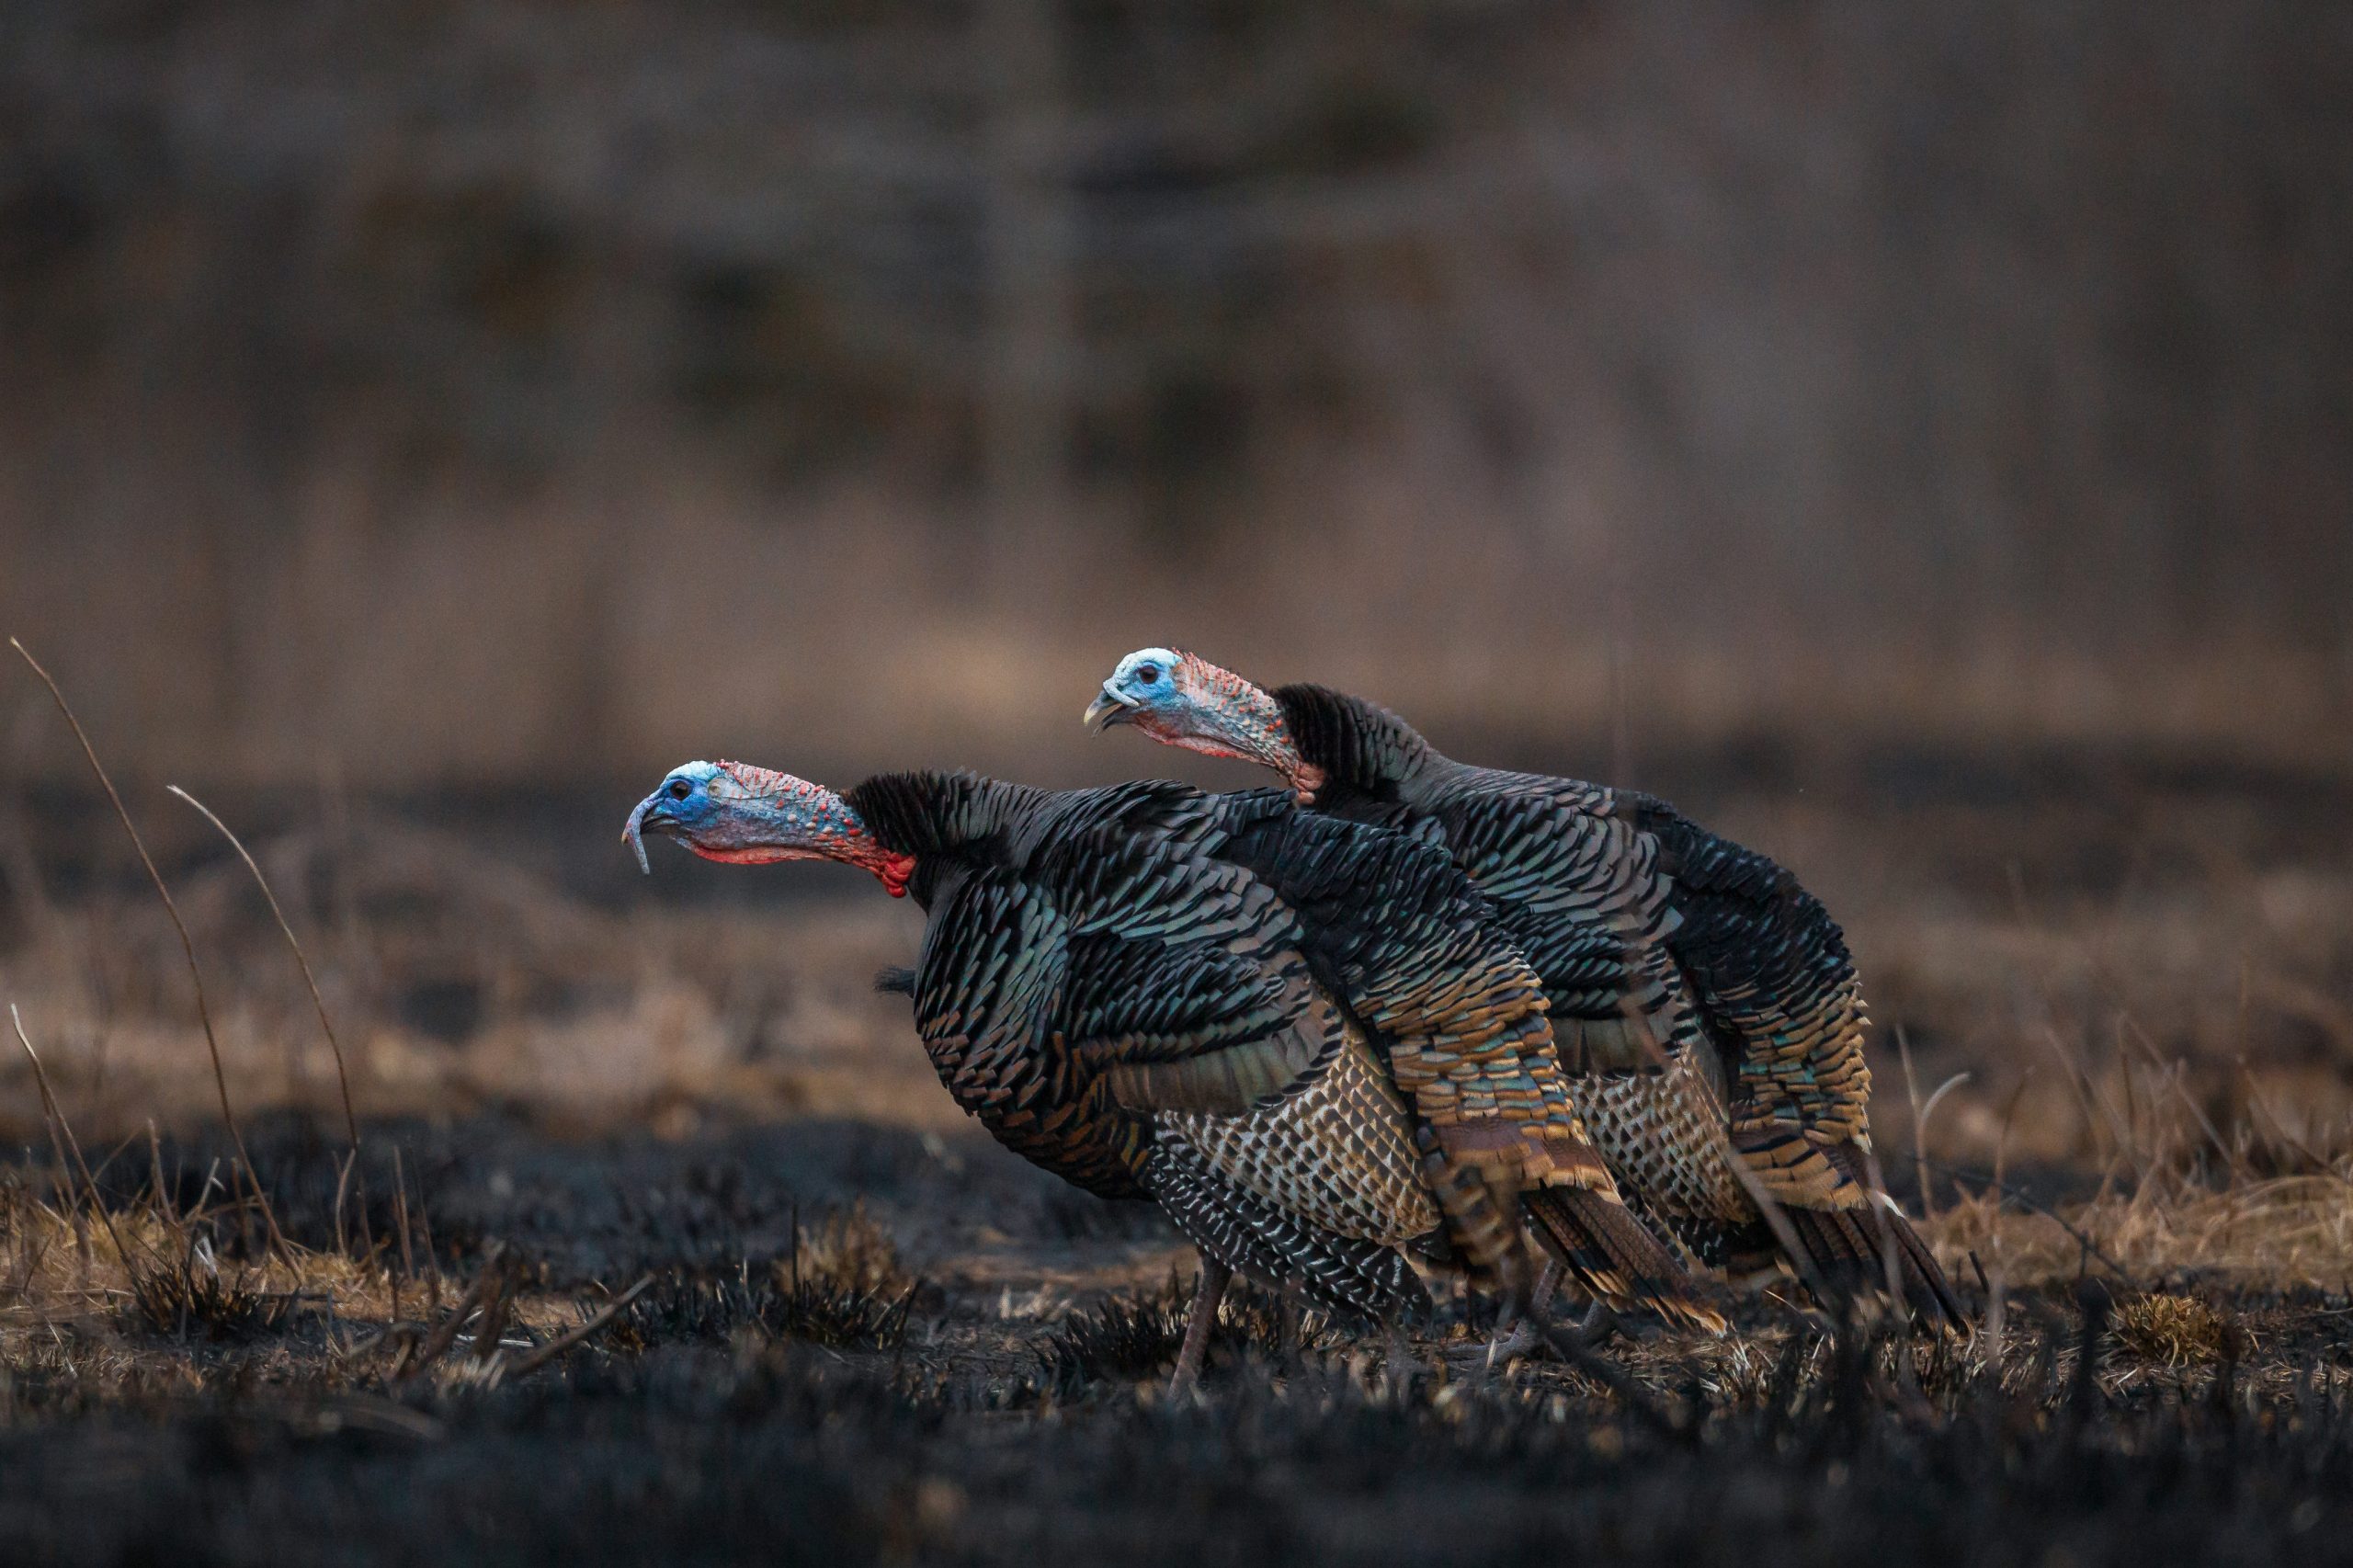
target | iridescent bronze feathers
[
  {"x": 1128, "y": 983},
  {"x": 1704, "y": 1002}
]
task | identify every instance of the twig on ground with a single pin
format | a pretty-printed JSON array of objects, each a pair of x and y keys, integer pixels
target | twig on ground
[
  {"x": 1570, "y": 1345},
  {"x": 526, "y": 1365},
  {"x": 445, "y": 1333},
  {"x": 496, "y": 1311}
]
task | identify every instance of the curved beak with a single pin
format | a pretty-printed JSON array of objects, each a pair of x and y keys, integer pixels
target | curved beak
[
  {"x": 651, "y": 816},
  {"x": 1107, "y": 709}
]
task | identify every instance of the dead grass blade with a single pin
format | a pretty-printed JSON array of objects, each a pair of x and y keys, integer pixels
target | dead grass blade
[{"x": 188, "y": 947}]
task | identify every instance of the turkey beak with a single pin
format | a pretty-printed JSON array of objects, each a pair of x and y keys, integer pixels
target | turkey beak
[
  {"x": 1109, "y": 710},
  {"x": 649, "y": 817}
]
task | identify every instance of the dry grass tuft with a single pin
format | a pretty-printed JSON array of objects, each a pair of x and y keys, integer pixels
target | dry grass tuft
[
  {"x": 1121, "y": 1338},
  {"x": 842, "y": 1286},
  {"x": 1133, "y": 1335},
  {"x": 193, "y": 1298},
  {"x": 853, "y": 1252},
  {"x": 2176, "y": 1331}
]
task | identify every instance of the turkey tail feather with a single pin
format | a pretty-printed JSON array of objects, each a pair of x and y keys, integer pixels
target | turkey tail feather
[
  {"x": 1845, "y": 1246},
  {"x": 1604, "y": 1249}
]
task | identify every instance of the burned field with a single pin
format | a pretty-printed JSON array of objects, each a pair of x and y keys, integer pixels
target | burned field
[
  {"x": 835, "y": 1398},
  {"x": 661, "y": 1241}
]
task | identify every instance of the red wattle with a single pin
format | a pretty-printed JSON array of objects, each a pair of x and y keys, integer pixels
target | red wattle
[{"x": 893, "y": 873}]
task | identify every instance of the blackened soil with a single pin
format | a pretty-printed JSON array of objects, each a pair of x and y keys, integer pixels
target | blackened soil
[{"x": 974, "y": 1420}]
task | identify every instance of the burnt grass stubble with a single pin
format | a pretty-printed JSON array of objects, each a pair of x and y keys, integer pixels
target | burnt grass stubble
[{"x": 754, "y": 1403}]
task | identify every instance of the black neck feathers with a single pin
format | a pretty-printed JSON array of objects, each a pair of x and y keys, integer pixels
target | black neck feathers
[
  {"x": 1353, "y": 741},
  {"x": 937, "y": 814}
]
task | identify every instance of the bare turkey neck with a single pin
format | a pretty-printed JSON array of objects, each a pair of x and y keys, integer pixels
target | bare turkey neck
[
  {"x": 1250, "y": 725},
  {"x": 788, "y": 818}
]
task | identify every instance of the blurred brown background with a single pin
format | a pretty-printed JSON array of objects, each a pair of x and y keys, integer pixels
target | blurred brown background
[
  {"x": 488, "y": 392},
  {"x": 1920, "y": 443}
]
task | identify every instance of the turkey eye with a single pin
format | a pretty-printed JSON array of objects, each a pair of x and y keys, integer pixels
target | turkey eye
[
  {"x": 1147, "y": 673},
  {"x": 681, "y": 789}
]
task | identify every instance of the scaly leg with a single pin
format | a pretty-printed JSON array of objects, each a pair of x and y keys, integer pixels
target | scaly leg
[
  {"x": 1519, "y": 1336},
  {"x": 1600, "y": 1324},
  {"x": 1290, "y": 1324},
  {"x": 1207, "y": 1294},
  {"x": 1523, "y": 1337}
]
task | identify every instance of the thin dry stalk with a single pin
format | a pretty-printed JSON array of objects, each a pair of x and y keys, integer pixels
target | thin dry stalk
[
  {"x": 155, "y": 1175},
  {"x": 1784, "y": 1233},
  {"x": 400, "y": 1218},
  {"x": 318, "y": 1002},
  {"x": 59, "y": 1125},
  {"x": 2009, "y": 1119},
  {"x": 342, "y": 1190},
  {"x": 433, "y": 1267},
  {"x": 187, "y": 947},
  {"x": 2148, "y": 1141},
  {"x": 341, "y": 1073},
  {"x": 1928, "y": 1112},
  {"x": 1887, "y": 1253},
  {"x": 1919, "y": 1118},
  {"x": 64, "y": 1180}
]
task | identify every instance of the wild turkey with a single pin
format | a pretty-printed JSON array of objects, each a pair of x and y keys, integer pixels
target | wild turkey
[
  {"x": 1653, "y": 935},
  {"x": 1300, "y": 1035}
]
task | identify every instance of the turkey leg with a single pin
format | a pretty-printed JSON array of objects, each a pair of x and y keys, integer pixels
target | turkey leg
[
  {"x": 1523, "y": 1337},
  {"x": 1215, "y": 1278}
]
